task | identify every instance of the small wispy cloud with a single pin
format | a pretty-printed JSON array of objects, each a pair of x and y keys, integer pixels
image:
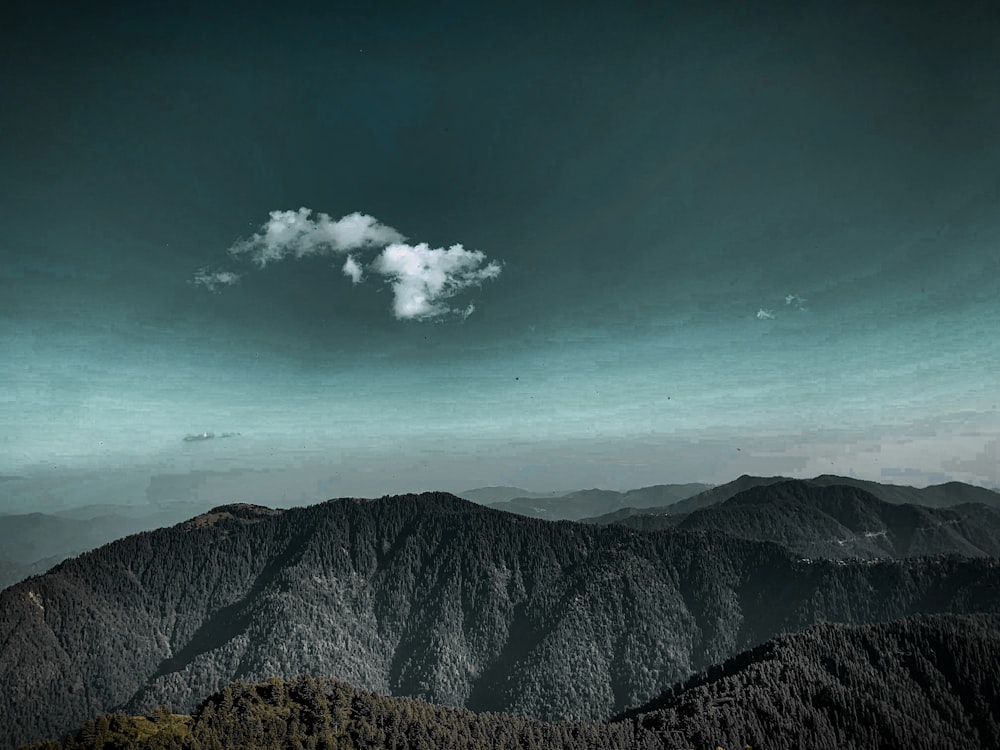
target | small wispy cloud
[
  {"x": 200, "y": 436},
  {"x": 423, "y": 279},
  {"x": 353, "y": 270},
  {"x": 213, "y": 279},
  {"x": 794, "y": 300},
  {"x": 791, "y": 300}
]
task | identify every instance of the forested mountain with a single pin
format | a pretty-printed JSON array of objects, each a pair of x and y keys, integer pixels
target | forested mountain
[
  {"x": 574, "y": 506},
  {"x": 427, "y": 596},
  {"x": 840, "y": 521},
  {"x": 919, "y": 683},
  {"x": 31, "y": 543}
]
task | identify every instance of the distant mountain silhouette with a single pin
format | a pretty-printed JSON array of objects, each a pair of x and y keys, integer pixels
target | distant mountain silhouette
[
  {"x": 840, "y": 521},
  {"x": 427, "y": 596},
  {"x": 574, "y": 506},
  {"x": 12, "y": 572},
  {"x": 934, "y": 496},
  {"x": 31, "y": 543},
  {"x": 661, "y": 494},
  {"x": 922, "y": 682},
  {"x": 703, "y": 499},
  {"x": 503, "y": 493}
]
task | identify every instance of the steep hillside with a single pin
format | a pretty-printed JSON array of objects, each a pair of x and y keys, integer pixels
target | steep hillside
[
  {"x": 922, "y": 683},
  {"x": 426, "y": 596}
]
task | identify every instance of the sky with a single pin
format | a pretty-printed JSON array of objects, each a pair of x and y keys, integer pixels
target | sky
[{"x": 281, "y": 252}]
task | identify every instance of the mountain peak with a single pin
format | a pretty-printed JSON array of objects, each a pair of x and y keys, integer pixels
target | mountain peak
[{"x": 243, "y": 512}]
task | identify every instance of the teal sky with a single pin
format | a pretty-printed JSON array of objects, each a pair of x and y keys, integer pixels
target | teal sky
[{"x": 695, "y": 240}]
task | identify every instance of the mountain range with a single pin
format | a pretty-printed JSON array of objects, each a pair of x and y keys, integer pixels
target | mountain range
[
  {"x": 31, "y": 543},
  {"x": 839, "y": 521},
  {"x": 428, "y": 596},
  {"x": 573, "y": 506},
  {"x": 933, "y": 496}
]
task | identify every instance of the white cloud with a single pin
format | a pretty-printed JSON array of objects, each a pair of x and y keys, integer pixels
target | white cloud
[
  {"x": 217, "y": 278},
  {"x": 353, "y": 269},
  {"x": 763, "y": 314},
  {"x": 296, "y": 233},
  {"x": 424, "y": 277}
]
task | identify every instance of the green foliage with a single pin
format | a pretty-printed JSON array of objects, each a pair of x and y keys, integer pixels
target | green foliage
[{"x": 314, "y": 713}]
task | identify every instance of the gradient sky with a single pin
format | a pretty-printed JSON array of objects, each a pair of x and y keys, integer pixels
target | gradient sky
[{"x": 606, "y": 245}]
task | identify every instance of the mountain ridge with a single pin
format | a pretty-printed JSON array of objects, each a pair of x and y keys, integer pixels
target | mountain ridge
[
  {"x": 841, "y": 521},
  {"x": 429, "y": 596},
  {"x": 579, "y": 504},
  {"x": 943, "y": 495}
]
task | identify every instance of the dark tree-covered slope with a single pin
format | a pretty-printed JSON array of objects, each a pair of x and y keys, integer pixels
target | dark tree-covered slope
[
  {"x": 427, "y": 596},
  {"x": 840, "y": 521},
  {"x": 320, "y": 713},
  {"x": 921, "y": 683}
]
